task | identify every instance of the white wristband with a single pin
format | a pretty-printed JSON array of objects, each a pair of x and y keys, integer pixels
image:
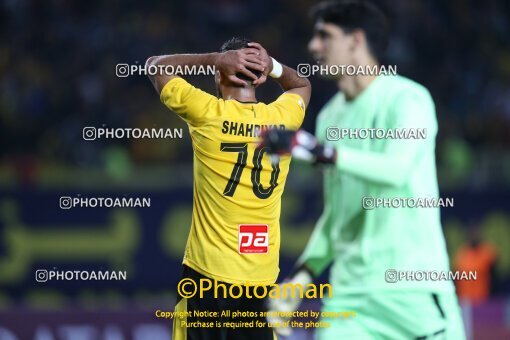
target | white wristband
[{"x": 277, "y": 69}]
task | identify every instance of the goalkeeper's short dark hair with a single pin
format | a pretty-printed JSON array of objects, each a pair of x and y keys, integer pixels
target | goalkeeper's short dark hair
[
  {"x": 357, "y": 14},
  {"x": 237, "y": 43}
]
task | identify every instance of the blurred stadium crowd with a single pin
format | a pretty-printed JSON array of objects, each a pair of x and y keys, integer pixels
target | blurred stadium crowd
[{"x": 57, "y": 75}]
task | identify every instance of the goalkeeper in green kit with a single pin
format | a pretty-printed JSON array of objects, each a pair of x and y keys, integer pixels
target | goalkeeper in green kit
[{"x": 370, "y": 249}]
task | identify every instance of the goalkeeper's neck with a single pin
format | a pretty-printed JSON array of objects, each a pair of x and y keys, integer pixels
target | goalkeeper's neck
[{"x": 353, "y": 85}]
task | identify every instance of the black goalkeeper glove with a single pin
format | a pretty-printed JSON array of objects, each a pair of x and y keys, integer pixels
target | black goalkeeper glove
[
  {"x": 301, "y": 144},
  {"x": 289, "y": 301}
]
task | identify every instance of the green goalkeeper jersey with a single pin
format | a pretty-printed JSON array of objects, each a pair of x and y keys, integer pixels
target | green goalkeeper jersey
[{"x": 365, "y": 245}]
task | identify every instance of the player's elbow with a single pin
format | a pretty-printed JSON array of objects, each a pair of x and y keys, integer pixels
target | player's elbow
[
  {"x": 152, "y": 62},
  {"x": 305, "y": 84},
  {"x": 304, "y": 90}
]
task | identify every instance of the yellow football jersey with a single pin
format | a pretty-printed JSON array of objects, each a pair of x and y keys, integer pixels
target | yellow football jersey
[{"x": 235, "y": 230}]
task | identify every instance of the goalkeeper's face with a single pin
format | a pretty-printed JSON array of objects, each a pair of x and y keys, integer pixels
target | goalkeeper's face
[{"x": 330, "y": 45}]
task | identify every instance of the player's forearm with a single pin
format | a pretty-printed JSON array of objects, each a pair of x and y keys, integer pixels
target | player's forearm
[
  {"x": 177, "y": 61},
  {"x": 389, "y": 169},
  {"x": 303, "y": 267},
  {"x": 318, "y": 253},
  {"x": 290, "y": 80},
  {"x": 399, "y": 158},
  {"x": 314, "y": 265},
  {"x": 395, "y": 164},
  {"x": 205, "y": 59}
]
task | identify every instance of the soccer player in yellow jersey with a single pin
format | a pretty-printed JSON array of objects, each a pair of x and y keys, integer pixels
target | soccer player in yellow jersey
[{"x": 235, "y": 231}]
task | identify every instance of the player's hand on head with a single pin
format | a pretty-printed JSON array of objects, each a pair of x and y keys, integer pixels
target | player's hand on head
[
  {"x": 231, "y": 63},
  {"x": 266, "y": 60}
]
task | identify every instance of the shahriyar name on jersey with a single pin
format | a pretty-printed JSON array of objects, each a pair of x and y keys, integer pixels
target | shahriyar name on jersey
[{"x": 247, "y": 130}]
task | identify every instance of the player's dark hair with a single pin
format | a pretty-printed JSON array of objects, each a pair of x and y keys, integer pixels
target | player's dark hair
[
  {"x": 237, "y": 43},
  {"x": 351, "y": 15}
]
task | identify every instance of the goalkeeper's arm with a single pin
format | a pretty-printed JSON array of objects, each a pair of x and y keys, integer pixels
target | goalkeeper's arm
[
  {"x": 394, "y": 164},
  {"x": 314, "y": 260},
  {"x": 301, "y": 144}
]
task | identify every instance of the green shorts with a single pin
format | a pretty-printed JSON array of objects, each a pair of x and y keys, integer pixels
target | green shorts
[{"x": 394, "y": 315}]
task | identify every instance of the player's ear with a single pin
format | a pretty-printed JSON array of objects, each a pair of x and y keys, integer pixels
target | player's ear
[
  {"x": 217, "y": 81},
  {"x": 217, "y": 78},
  {"x": 357, "y": 39}
]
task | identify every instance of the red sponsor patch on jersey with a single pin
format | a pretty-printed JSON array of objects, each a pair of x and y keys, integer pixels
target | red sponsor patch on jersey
[{"x": 253, "y": 238}]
